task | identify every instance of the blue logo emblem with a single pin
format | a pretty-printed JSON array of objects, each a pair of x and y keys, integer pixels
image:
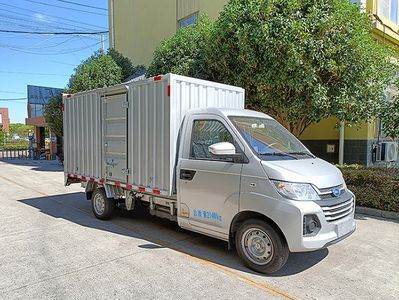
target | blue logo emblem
[{"x": 336, "y": 192}]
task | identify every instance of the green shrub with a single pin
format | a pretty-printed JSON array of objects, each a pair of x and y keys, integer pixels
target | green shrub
[
  {"x": 15, "y": 145},
  {"x": 373, "y": 187}
]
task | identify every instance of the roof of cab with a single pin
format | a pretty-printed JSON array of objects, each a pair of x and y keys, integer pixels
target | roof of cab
[{"x": 229, "y": 112}]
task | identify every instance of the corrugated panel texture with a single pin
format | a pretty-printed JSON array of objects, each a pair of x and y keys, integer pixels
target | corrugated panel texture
[
  {"x": 149, "y": 151},
  {"x": 186, "y": 8},
  {"x": 190, "y": 93},
  {"x": 82, "y": 135},
  {"x": 154, "y": 121}
]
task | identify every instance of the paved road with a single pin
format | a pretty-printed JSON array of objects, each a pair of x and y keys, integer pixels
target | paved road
[{"x": 51, "y": 247}]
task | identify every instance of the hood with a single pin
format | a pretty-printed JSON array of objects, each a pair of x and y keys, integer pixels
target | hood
[{"x": 315, "y": 171}]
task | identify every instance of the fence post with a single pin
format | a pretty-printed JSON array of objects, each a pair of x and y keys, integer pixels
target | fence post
[{"x": 16, "y": 153}]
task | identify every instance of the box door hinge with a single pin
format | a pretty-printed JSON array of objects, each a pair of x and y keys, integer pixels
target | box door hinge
[
  {"x": 125, "y": 104},
  {"x": 125, "y": 171}
]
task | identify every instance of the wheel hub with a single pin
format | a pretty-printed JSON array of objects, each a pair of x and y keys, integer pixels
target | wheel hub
[
  {"x": 257, "y": 246},
  {"x": 99, "y": 204}
]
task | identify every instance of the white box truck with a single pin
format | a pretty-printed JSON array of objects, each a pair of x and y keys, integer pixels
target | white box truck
[{"x": 188, "y": 151}]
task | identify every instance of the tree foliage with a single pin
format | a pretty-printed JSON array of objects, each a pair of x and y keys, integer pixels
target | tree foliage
[
  {"x": 53, "y": 115},
  {"x": 98, "y": 71},
  {"x": 21, "y": 130},
  {"x": 390, "y": 118},
  {"x": 298, "y": 60},
  {"x": 302, "y": 60},
  {"x": 3, "y": 138},
  {"x": 126, "y": 65},
  {"x": 183, "y": 53},
  {"x": 101, "y": 70}
]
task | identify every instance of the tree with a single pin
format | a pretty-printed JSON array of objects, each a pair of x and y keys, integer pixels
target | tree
[
  {"x": 183, "y": 53},
  {"x": 53, "y": 115},
  {"x": 300, "y": 60},
  {"x": 21, "y": 130},
  {"x": 3, "y": 138},
  {"x": 101, "y": 70},
  {"x": 126, "y": 65},
  {"x": 98, "y": 71}
]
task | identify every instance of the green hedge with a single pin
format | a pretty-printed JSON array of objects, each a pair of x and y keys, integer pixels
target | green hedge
[
  {"x": 15, "y": 145},
  {"x": 373, "y": 187}
]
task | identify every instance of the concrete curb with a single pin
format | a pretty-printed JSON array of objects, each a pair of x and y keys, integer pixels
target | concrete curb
[{"x": 377, "y": 213}]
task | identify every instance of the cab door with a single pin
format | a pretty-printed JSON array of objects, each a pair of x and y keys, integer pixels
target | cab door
[{"x": 208, "y": 188}]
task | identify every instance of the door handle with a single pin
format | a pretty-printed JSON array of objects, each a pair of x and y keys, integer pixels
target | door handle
[{"x": 187, "y": 174}]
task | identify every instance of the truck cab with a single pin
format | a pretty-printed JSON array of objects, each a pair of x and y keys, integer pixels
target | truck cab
[{"x": 243, "y": 178}]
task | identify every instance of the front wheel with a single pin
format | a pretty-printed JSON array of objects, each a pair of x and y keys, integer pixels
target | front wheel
[
  {"x": 102, "y": 206},
  {"x": 261, "y": 247}
]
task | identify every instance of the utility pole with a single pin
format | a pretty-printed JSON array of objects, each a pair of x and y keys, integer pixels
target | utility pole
[
  {"x": 341, "y": 142},
  {"x": 102, "y": 42}
]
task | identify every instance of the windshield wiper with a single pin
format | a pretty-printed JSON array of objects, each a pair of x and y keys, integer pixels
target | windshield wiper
[
  {"x": 302, "y": 153},
  {"x": 277, "y": 154}
]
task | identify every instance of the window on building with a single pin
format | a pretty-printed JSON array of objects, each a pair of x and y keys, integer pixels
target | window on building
[
  {"x": 388, "y": 9},
  {"x": 188, "y": 21}
]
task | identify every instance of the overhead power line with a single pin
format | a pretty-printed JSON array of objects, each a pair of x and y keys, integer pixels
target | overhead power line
[
  {"x": 54, "y": 32},
  {"x": 12, "y": 99},
  {"x": 54, "y": 18},
  {"x": 30, "y": 73},
  {"x": 31, "y": 19},
  {"x": 61, "y": 52},
  {"x": 13, "y": 15},
  {"x": 8, "y": 92},
  {"x": 68, "y": 8},
  {"x": 84, "y": 5}
]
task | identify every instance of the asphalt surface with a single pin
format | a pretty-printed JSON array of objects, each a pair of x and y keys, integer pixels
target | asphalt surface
[{"x": 52, "y": 247}]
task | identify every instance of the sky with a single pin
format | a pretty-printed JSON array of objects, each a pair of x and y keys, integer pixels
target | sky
[{"x": 45, "y": 60}]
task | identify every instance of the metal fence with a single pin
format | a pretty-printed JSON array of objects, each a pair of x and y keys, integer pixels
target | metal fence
[{"x": 16, "y": 153}]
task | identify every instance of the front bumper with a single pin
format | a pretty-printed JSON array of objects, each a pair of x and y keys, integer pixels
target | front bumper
[
  {"x": 330, "y": 233},
  {"x": 332, "y": 230}
]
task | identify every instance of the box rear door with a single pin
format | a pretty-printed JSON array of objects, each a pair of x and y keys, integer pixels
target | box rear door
[{"x": 115, "y": 137}]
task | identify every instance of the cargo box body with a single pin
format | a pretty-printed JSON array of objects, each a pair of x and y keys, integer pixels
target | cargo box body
[{"x": 127, "y": 134}]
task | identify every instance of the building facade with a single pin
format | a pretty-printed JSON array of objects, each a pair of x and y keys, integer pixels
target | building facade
[
  {"x": 4, "y": 120},
  {"x": 138, "y": 26},
  {"x": 38, "y": 96}
]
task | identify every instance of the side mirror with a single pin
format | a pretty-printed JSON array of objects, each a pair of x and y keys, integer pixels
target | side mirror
[{"x": 223, "y": 151}]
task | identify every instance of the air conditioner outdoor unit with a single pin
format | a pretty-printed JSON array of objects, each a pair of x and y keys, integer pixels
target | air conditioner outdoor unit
[{"x": 389, "y": 151}]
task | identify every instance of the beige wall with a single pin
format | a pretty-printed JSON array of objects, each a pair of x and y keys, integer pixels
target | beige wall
[
  {"x": 140, "y": 25},
  {"x": 212, "y": 8},
  {"x": 186, "y": 8}
]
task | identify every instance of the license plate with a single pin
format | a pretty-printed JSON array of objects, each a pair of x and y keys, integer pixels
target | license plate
[{"x": 344, "y": 228}]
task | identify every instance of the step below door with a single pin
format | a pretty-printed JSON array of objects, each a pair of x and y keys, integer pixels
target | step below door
[{"x": 115, "y": 137}]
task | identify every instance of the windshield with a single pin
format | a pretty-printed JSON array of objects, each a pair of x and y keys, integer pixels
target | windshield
[{"x": 269, "y": 139}]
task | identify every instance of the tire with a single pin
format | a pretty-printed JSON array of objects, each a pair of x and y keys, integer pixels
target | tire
[
  {"x": 261, "y": 247},
  {"x": 102, "y": 206}
]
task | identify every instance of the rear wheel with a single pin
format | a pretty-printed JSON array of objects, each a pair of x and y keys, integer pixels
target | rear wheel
[
  {"x": 102, "y": 206},
  {"x": 261, "y": 247}
]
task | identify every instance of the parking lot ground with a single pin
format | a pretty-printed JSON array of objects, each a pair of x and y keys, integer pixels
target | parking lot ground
[{"x": 52, "y": 247}]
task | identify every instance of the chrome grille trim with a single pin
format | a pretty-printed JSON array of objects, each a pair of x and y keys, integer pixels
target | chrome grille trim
[
  {"x": 328, "y": 191},
  {"x": 339, "y": 211}
]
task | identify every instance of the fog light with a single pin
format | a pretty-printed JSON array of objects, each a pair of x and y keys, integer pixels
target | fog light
[{"x": 311, "y": 225}]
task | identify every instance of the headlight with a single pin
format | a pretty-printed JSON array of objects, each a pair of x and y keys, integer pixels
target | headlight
[{"x": 296, "y": 191}]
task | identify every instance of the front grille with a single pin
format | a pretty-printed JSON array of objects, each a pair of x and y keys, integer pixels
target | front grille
[
  {"x": 338, "y": 211},
  {"x": 326, "y": 193}
]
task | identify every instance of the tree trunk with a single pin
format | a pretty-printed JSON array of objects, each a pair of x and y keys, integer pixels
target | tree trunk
[{"x": 296, "y": 128}]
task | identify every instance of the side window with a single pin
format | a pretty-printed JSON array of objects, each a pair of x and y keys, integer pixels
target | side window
[{"x": 206, "y": 133}]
